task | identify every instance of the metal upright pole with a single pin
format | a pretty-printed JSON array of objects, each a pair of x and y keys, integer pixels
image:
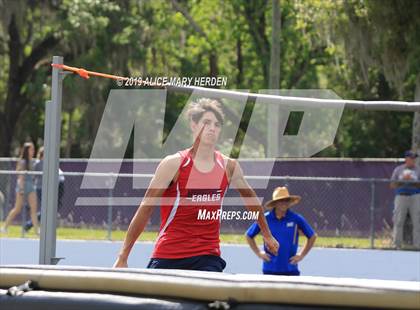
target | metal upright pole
[
  {"x": 52, "y": 133},
  {"x": 372, "y": 214},
  {"x": 110, "y": 214},
  {"x": 110, "y": 195}
]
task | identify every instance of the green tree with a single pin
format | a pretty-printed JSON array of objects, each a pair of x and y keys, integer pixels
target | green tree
[
  {"x": 381, "y": 63},
  {"x": 30, "y": 31}
]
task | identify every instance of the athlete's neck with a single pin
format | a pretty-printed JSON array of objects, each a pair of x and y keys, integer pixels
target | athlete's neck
[{"x": 204, "y": 152}]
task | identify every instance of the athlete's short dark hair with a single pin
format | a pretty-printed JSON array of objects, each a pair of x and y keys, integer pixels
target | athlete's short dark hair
[{"x": 197, "y": 108}]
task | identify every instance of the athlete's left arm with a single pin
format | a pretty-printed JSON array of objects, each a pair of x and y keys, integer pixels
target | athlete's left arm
[{"x": 237, "y": 180}]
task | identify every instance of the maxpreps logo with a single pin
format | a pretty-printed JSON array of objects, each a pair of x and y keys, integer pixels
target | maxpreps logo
[{"x": 204, "y": 195}]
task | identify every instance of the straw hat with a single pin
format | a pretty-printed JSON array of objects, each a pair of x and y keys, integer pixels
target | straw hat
[{"x": 282, "y": 193}]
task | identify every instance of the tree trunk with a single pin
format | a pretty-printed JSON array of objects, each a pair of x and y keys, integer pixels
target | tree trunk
[
  {"x": 20, "y": 70},
  {"x": 274, "y": 79},
  {"x": 274, "y": 83},
  {"x": 415, "y": 141},
  {"x": 255, "y": 18},
  {"x": 5, "y": 138},
  {"x": 239, "y": 64},
  {"x": 12, "y": 105},
  {"x": 214, "y": 69}
]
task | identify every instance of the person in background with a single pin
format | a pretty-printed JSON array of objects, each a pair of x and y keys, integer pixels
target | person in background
[
  {"x": 404, "y": 181},
  {"x": 39, "y": 166},
  {"x": 25, "y": 188},
  {"x": 285, "y": 226}
]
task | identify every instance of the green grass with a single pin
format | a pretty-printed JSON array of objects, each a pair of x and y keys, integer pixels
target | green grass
[{"x": 118, "y": 235}]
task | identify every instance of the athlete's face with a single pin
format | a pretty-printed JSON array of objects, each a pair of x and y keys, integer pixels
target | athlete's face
[{"x": 209, "y": 127}]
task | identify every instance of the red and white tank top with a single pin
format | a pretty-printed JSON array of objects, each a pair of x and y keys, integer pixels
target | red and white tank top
[{"x": 182, "y": 234}]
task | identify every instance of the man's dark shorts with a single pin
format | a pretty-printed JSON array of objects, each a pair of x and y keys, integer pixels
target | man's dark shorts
[{"x": 201, "y": 262}]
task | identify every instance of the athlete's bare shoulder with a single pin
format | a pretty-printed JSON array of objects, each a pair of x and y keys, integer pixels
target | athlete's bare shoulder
[
  {"x": 229, "y": 160},
  {"x": 232, "y": 166},
  {"x": 166, "y": 171},
  {"x": 226, "y": 158},
  {"x": 171, "y": 162},
  {"x": 173, "y": 158}
]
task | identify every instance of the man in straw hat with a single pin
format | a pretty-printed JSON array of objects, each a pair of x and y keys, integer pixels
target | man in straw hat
[{"x": 285, "y": 226}]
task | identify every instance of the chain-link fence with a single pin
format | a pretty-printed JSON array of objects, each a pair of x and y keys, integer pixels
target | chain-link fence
[{"x": 335, "y": 207}]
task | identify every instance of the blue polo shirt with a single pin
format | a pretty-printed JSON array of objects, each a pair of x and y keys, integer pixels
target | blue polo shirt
[{"x": 285, "y": 231}]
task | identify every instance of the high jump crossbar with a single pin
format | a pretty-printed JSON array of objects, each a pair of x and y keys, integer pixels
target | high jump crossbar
[{"x": 349, "y": 104}]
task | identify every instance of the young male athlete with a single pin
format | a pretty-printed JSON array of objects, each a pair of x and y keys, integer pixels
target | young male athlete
[{"x": 184, "y": 183}]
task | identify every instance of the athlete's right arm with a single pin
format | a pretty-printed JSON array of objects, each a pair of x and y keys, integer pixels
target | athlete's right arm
[
  {"x": 165, "y": 173},
  {"x": 237, "y": 179},
  {"x": 253, "y": 245}
]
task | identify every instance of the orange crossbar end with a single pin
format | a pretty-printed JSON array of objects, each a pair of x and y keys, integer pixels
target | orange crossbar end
[{"x": 86, "y": 74}]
